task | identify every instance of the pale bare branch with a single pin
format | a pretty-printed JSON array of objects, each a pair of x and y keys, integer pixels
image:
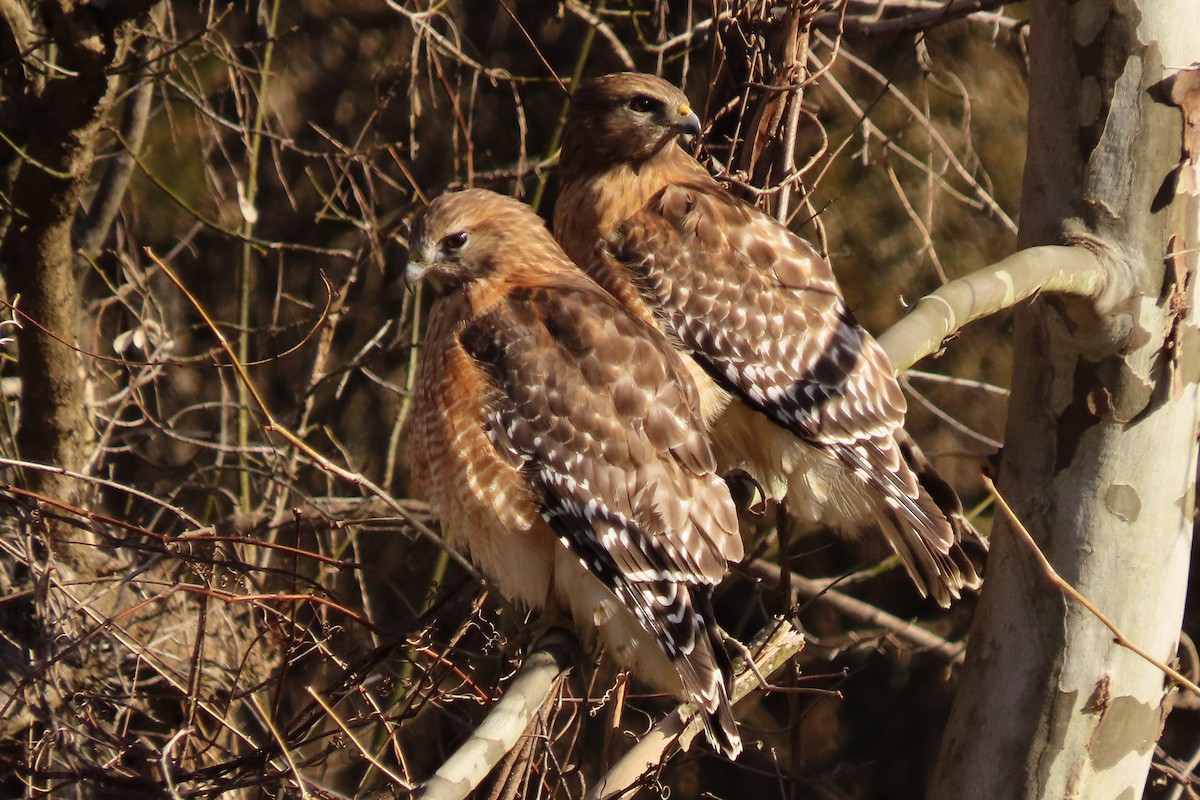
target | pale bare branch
[{"x": 939, "y": 316}]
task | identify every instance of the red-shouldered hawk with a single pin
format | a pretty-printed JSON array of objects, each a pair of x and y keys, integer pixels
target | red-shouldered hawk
[
  {"x": 557, "y": 438},
  {"x": 794, "y": 391}
]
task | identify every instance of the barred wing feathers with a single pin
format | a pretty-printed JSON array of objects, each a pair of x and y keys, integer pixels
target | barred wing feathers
[
  {"x": 760, "y": 310},
  {"x": 593, "y": 405}
]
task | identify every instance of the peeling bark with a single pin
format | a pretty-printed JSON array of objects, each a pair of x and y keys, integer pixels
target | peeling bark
[{"x": 1100, "y": 455}]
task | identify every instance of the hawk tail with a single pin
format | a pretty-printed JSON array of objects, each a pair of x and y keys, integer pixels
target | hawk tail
[
  {"x": 665, "y": 597},
  {"x": 929, "y": 531},
  {"x": 707, "y": 674},
  {"x": 721, "y": 729},
  {"x": 937, "y": 567},
  {"x": 680, "y": 617}
]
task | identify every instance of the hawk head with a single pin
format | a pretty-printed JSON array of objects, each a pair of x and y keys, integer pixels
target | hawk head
[
  {"x": 625, "y": 116},
  {"x": 458, "y": 237}
]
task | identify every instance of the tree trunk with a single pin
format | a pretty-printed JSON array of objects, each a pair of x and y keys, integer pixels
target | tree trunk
[
  {"x": 54, "y": 130},
  {"x": 1100, "y": 453}
]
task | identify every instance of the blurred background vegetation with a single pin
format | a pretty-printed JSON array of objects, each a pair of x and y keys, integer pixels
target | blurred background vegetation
[{"x": 273, "y": 629}]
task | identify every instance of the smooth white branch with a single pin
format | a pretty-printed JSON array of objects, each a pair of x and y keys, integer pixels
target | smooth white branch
[
  {"x": 548, "y": 661},
  {"x": 773, "y": 647},
  {"x": 1066, "y": 269}
]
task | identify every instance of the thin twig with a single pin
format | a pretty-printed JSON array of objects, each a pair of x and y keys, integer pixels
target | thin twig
[
  {"x": 955, "y": 163},
  {"x": 932, "y": 408},
  {"x": 951, "y": 380},
  {"x": 271, "y": 425},
  {"x": 820, "y": 593},
  {"x": 618, "y": 47},
  {"x": 1022, "y": 535},
  {"x": 363, "y": 751},
  {"x": 922, "y": 228},
  {"x": 921, "y": 21}
]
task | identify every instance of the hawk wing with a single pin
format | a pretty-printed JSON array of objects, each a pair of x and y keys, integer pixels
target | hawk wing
[
  {"x": 760, "y": 309},
  {"x": 761, "y": 312},
  {"x": 595, "y": 408}
]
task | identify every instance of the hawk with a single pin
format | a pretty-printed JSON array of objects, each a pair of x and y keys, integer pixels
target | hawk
[
  {"x": 793, "y": 390},
  {"x": 557, "y": 438}
]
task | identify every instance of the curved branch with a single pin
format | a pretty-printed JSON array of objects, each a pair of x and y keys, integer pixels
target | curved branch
[
  {"x": 547, "y": 663},
  {"x": 773, "y": 647},
  {"x": 1073, "y": 270},
  {"x": 619, "y": 50}
]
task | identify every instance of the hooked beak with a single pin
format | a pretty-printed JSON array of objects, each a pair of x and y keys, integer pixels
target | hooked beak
[
  {"x": 688, "y": 123},
  {"x": 413, "y": 274}
]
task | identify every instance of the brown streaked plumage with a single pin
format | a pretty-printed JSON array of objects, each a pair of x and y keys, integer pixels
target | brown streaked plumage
[
  {"x": 794, "y": 391},
  {"x": 558, "y": 439}
]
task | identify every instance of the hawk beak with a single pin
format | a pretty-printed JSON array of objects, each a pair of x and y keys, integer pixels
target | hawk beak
[
  {"x": 688, "y": 123},
  {"x": 413, "y": 274}
]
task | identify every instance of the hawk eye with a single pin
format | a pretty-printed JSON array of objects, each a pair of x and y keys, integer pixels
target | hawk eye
[
  {"x": 455, "y": 241},
  {"x": 642, "y": 104}
]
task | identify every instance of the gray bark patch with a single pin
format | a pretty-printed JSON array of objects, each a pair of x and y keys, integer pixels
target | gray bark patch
[
  {"x": 1110, "y": 175},
  {"x": 1124, "y": 502},
  {"x": 1128, "y": 725}
]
